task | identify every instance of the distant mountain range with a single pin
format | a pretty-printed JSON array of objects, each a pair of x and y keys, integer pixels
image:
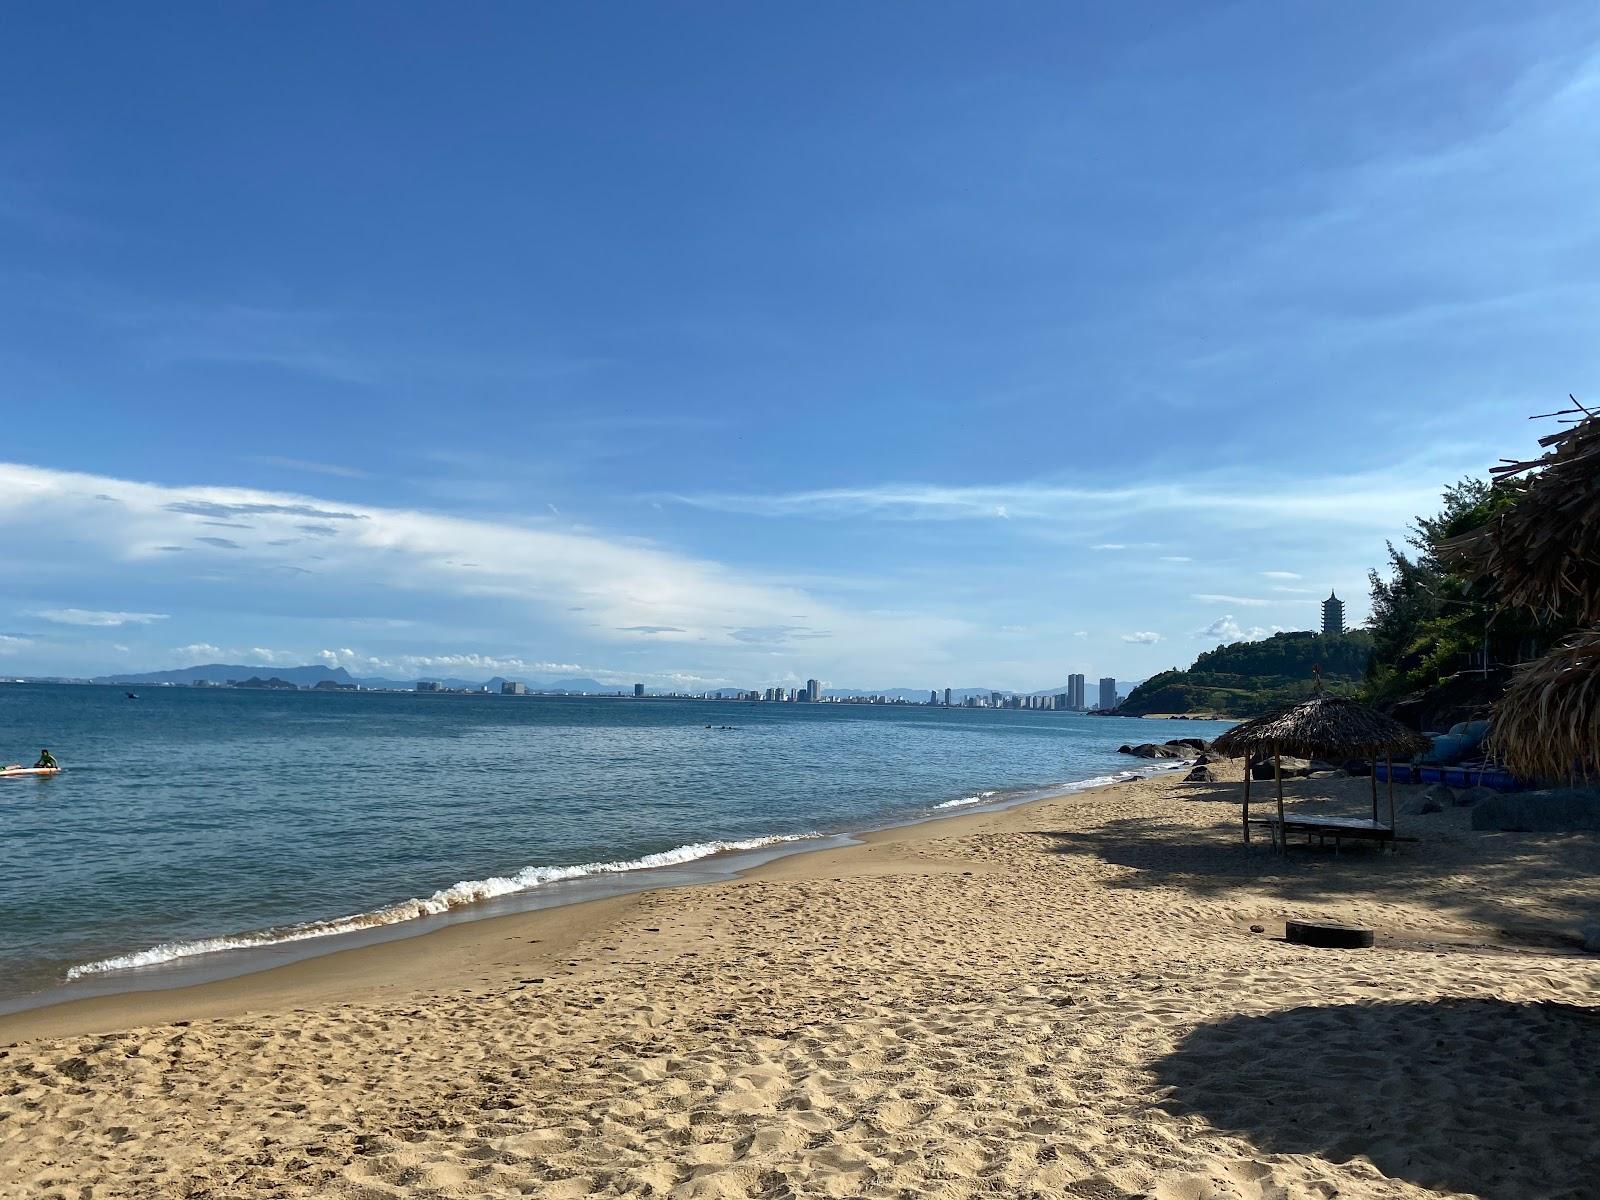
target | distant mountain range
[{"x": 310, "y": 676}]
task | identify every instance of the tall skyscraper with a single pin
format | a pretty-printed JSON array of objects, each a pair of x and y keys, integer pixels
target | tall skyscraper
[
  {"x": 638, "y": 689},
  {"x": 947, "y": 697},
  {"x": 1332, "y": 615},
  {"x": 1108, "y": 694},
  {"x": 1075, "y": 692},
  {"x": 813, "y": 690}
]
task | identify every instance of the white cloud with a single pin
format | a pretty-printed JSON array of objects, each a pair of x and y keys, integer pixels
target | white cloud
[
  {"x": 1081, "y": 633},
  {"x": 622, "y": 591},
  {"x": 1214, "y": 598},
  {"x": 1296, "y": 591},
  {"x": 1282, "y": 575},
  {"x": 10, "y": 643},
  {"x": 1226, "y": 629},
  {"x": 1110, "y": 546},
  {"x": 197, "y": 654},
  {"x": 96, "y": 617},
  {"x": 1142, "y": 639},
  {"x": 1176, "y": 558}
]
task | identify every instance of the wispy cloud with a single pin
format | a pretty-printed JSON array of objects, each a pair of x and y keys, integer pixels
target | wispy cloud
[
  {"x": 1145, "y": 638},
  {"x": 1282, "y": 575},
  {"x": 308, "y": 466},
  {"x": 96, "y": 617},
  {"x": 1376, "y": 500},
  {"x": 1179, "y": 558},
  {"x": 1214, "y": 598}
]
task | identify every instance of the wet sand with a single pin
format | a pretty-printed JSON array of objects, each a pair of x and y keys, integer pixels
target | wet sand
[{"x": 1064, "y": 999}]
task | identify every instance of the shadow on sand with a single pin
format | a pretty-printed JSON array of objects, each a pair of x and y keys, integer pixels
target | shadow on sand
[
  {"x": 1476, "y": 877},
  {"x": 1498, "y": 1100}
]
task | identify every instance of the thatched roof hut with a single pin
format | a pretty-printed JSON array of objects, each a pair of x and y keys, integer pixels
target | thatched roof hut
[
  {"x": 1322, "y": 727},
  {"x": 1543, "y": 552},
  {"x": 1547, "y": 725}
]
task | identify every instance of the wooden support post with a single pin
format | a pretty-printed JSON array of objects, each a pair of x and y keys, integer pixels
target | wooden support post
[
  {"x": 1374, "y": 787},
  {"x": 1247, "y": 797},
  {"x": 1277, "y": 769},
  {"x": 1389, "y": 767}
]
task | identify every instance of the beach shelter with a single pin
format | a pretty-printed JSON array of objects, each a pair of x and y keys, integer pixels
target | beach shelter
[
  {"x": 1547, "y": 725},
  {"x": 1322, "y": 727},
  {"x": 1543, "y": 554}
]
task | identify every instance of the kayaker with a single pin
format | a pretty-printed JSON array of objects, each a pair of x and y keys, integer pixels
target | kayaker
[{"x": 46, "y": 759}]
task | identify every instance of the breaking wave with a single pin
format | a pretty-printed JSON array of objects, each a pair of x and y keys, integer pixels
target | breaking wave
[
  {"x": 965, "y": 800},
  {"x": 458, "y": 895}
]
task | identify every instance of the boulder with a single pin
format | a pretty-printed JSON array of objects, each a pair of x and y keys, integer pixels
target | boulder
[
  {"x": 1292, "y": 768},
  {"x": 1473, "y": 796},
  {"x": 1557, "y": 810},
  {"x": 1435, "y": 798},
  {"x": 1200, "y": 775},
  {"x": 1193, "y": 743},
  {"x": 1151, "y": 750},
  {"x": 1356, "y": 766}
]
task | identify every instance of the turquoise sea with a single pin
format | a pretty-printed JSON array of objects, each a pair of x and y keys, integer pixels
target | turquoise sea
[{"x": 196, "y": 832}]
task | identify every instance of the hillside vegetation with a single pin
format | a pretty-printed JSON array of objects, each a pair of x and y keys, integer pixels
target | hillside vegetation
[{"x": 1248, "y": 678}]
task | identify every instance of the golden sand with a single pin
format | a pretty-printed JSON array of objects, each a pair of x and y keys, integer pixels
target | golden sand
[{"x": 1063, "y": 1000}]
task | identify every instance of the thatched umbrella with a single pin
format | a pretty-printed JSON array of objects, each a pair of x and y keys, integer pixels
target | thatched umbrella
[
  {"x": 1543, "y": 552},
  {"x": 1547, "y": 725},
  {"x": 1322, "y": 727}
]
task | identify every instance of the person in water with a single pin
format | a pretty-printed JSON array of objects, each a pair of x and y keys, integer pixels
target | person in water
[{"x": 46, "y": 759}]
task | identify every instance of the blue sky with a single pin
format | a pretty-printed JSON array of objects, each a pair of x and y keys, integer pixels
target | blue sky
[{"x": 894, "y": 344}]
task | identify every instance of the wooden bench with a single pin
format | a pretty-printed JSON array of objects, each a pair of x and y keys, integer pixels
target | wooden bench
[{"x": 1323, "y": 828}]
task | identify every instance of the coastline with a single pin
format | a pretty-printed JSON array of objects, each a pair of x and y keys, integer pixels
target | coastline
[
  {"x": 1082, "y": 995},
  {"x": 380, "y": 960}
]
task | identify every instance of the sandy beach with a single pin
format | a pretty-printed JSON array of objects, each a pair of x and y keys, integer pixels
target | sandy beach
[{"x": 1065, "y": 999}]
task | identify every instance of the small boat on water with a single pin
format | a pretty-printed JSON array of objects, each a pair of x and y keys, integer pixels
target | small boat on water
[{"x": 18, "y": 772}]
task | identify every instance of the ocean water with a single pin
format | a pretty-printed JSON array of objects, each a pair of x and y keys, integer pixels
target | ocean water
[{"x": 196, "y": 828}]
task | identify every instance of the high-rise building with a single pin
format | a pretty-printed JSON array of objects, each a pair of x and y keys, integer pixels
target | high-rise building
[
  {"x": 1063, "y": 700},
  {"x": 638, "y": 689},
  {"x": 1108, "y": 694},
  {"x": 512, "y": 688},
  {"x": 947, "y": 697},
  {"x": 933, "y": 697},
  {"x": 1075, "y": 692},
  {"x": 813, "y": 690},
  {"x": 1332, "y": 616}
]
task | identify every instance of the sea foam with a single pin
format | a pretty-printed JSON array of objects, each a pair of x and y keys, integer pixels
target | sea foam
[{"x": 458, "y": 895}]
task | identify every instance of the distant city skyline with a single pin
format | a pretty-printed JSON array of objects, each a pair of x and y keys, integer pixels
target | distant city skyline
[
  {"x": 759, "y": 344},
  {"x": 1331, "y": 613}
]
